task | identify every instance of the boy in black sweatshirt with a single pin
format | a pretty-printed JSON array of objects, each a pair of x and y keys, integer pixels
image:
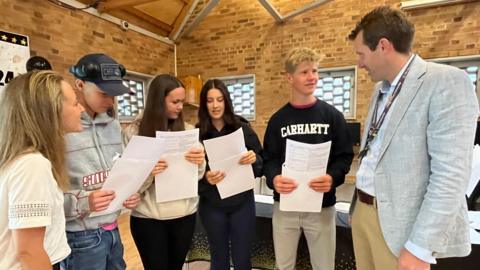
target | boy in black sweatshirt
[{"x": 309, "y": 120}]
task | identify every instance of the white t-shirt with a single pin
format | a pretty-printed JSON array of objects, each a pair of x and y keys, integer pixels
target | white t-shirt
[{"x": 29, "y": 198}]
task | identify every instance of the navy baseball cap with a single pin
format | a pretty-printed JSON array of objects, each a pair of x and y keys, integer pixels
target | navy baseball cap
[{"x": 103, "y": 71}]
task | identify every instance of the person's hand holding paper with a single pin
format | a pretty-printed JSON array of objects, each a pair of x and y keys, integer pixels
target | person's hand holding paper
[
  {"x": 322, "y": 183},
  {"x": 183, "y": 154},
  {"x": 99, "y": 200},
  {"x": 161, "y": 166},
  {"x": 127, "y": 175},
  {"x": 132, "y": 201},
  {"x": 230, "y": 164},
  {"x": 305, "y": 165},
  {"x": 214, "y": 177},
  {"x": 248, "y": 158},
  {"x": 284, "y": 185},
  {"x": 196, "y": 154}
]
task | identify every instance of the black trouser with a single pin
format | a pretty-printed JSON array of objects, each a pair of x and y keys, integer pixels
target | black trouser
[
  {"x": 232, "y": 229},
  {"x": 163, "y": 244},
  {"x": 56, "y": 266}
]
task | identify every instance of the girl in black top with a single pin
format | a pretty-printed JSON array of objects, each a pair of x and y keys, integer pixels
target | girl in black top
[{"x": 229, "y": 222}]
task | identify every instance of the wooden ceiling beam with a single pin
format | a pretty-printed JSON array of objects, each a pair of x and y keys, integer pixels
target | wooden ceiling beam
[
  {"x": 144, "y": 16},
  {"x": 109, "y": 5},
  {"x": 182, "y": 18},
  {"x": 132, "y": 19}
]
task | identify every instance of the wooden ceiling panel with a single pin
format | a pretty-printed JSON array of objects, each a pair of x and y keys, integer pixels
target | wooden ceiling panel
[
  {"x": 164, "y": 26},
  {"x": 168, "y": 18},
  {"x": 163, "y": 10},
  {"x": 109, "y": 5}
]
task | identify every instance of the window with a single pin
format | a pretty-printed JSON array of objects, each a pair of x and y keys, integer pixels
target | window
[
  {"x": 336, "y": 86},
  {"x": 242, "y": 93},
  {"x": 470, "y": 64},
  {"x": 130, "y": 105},
  {"x": 422, "y": 4}
]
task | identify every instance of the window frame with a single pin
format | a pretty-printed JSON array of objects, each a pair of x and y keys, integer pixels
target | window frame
[
  {"x": 461, "y": 62},
  {"x": 225, "y": 79},
  {"x": 138, "y": 77},
  {"x": 352, "y": 115}
]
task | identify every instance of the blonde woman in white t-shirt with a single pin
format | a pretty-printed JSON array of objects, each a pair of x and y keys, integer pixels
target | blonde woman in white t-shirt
[{"x": 36, "y": 110}]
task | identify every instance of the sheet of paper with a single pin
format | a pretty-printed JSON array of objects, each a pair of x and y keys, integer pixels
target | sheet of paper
[
  {"x": 475, "y": 175},
  {"x": 143, "y": 148},
  {"x": 267, "y": 199},
  {"x": 238, "y": 178},
  {"x": 343, "y": 207},
  {"x": 178, "y": 181},
  {"x": 131, "y": 169},
  {"x": 307, "y": 157},
  {"x": 303, "y": 198},
  {"x": 474, "y": 218},
  {"x": 178, "y": 141},
  {"x": 474, "y": 237},
  {"x": 125, "y": 178},
  {"x": 225, "y": 147},
  {"x": 224, "y": 154}
]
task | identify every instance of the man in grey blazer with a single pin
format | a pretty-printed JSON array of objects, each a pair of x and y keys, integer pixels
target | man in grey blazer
[{"x": 409, "y": 206}]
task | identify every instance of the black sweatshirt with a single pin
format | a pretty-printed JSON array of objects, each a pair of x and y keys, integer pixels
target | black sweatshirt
[
  {"x": 208, "y": 192},
  {"x": 317, "y": 123}
]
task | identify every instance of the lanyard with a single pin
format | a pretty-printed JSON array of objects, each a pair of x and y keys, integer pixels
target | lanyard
[{"x": 377, "y": 122}]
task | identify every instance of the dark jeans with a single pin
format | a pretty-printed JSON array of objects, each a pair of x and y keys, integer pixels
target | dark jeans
[
  {"x": 233, "y": 227},
  {"x": 163, "y": 244},
  {"x": 94, "y": 250}
]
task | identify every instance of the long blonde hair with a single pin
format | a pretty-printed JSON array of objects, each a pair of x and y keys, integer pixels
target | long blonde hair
[{"x": 30, "y": 115}]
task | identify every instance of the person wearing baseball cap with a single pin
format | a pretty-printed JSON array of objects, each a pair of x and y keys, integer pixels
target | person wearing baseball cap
[
  {"x": 38, "y": 63},
  {"x": 103, "y": 71},
  {"x": 95, "y": 241}
]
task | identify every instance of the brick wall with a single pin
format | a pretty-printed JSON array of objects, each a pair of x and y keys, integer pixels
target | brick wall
[
  {"x": 63, "y": 36},
  {"x": 241, "y": 37},
  {"x": 238, "y": 37}
]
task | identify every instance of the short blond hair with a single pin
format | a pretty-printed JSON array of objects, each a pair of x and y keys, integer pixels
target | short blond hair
[{"x": 299, "y": 55}]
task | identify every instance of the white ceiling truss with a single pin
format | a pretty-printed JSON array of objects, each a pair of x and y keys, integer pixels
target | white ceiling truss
[{"x": 281, "y": 19}]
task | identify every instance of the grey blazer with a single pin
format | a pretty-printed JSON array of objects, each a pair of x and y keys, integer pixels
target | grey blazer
[{"x": 425, "y": 160}]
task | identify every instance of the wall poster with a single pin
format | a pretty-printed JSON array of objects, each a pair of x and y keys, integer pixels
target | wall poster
[{"x": 14, "y": 53}]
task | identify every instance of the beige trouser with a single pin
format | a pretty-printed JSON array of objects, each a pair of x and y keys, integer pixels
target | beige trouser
[
  {"x": 371, "y": 250},
  {"x": 319, "y": 230}
]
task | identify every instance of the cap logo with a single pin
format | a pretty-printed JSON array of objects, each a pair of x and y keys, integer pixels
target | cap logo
[{"x": 111, "y": 72}]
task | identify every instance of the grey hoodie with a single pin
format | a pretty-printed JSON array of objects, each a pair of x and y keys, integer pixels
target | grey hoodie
[{"x": 90, "y": 155}]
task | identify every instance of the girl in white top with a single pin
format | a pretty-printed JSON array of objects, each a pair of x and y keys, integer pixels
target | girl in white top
[
  {"x": 163, "y": 231},
  {"x": 36, "y": 109}
]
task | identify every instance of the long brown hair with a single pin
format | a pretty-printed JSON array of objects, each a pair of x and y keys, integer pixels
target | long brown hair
[
  {"x": 30, "y": 113},
  {"x": 155, "y": 116}
]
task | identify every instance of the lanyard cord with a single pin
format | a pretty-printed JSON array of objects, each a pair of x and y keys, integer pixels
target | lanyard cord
[{"x": 377, "y": 123}]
